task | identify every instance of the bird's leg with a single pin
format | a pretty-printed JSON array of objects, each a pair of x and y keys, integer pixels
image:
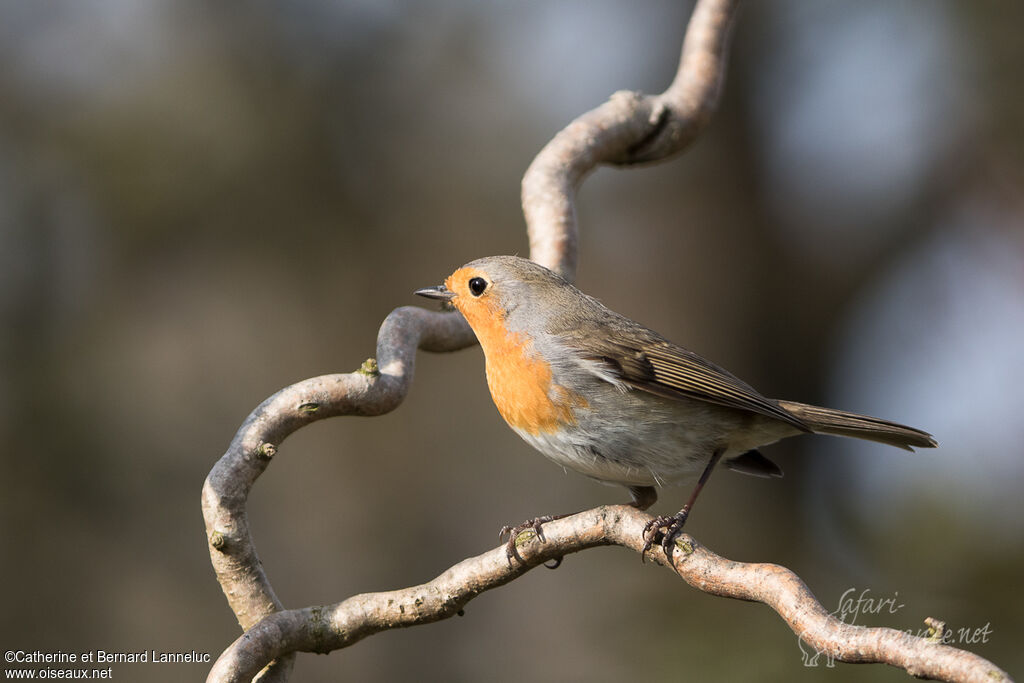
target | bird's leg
[
  {"x": 674, "y": 524},
  {"x": 643, "y": 498}
]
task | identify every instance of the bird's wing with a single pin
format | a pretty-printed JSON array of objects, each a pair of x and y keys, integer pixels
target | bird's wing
[{"x": 660, "y": 367}]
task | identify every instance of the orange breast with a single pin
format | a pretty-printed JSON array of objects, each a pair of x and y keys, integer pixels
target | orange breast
[
  {"x": 520, "y": 381},
  {"x": 522, "y": 389}
]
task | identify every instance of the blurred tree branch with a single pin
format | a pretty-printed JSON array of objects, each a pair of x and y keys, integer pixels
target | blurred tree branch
[{"x": 628, "y": 129}]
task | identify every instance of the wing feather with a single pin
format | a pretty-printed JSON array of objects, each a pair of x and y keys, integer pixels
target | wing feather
[
  {"x": 671, "y": 371},
  {"x": 638, "y": 357}
]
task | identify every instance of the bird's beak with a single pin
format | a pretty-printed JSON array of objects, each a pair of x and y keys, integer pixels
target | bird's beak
[{"x": 438, "y": 292}]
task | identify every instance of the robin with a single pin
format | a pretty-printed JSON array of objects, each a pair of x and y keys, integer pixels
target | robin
[{"x": 603, "y": 395}]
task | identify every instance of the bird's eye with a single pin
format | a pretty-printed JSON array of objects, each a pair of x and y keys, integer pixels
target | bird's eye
[{"x": 477, "y": 286}]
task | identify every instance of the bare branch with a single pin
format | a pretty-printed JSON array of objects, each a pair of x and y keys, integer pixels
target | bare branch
[
  {"x": 630, "y": 128},
  {"x": 322, "y": 629},
  {"x": 377, "y": 388}
]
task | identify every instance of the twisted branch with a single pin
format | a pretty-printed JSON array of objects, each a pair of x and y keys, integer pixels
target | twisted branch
[
  {"x": 628, "y": 129},
  {"x": 322, "y": 629},
  {"x": 377, "y": 388}
]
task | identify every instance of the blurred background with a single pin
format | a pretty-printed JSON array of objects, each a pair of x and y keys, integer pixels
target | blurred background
[{"x": 201, "y": 203}]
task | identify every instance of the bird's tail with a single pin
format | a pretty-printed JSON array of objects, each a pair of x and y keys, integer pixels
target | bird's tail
[{"x": 841, "y": 423}]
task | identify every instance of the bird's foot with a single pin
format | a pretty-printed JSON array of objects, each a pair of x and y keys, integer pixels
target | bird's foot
[
  {"x": 511, "y": 551},
  {"x": 669, "y": 527}
]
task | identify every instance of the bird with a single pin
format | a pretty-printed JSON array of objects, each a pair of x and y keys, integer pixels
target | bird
[{"x": 605, "y": 396}]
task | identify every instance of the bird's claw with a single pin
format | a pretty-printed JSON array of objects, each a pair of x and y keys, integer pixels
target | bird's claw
[
  {"x": 511, "y": 551},
  {"x": 669, "y": 527}
]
